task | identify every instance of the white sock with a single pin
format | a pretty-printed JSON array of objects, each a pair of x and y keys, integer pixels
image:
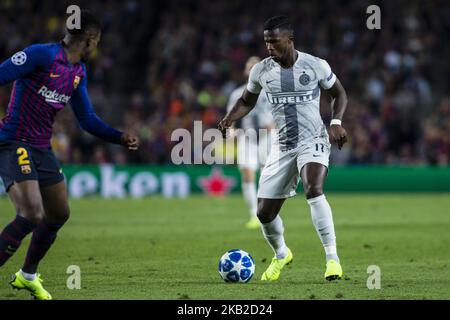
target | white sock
[
  {"x": 28, "y": 276},
  {"x": 273, "y": 233},
  {"x": 323, "y": 222},
  {"x": 249, "y": 191}
]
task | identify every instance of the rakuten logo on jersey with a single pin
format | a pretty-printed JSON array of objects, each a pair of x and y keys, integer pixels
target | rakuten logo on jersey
[{"x": 53, "y": 96}]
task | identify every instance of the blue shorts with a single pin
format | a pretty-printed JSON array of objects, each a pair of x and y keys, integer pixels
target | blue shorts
[{"x": 20, "y": 162}]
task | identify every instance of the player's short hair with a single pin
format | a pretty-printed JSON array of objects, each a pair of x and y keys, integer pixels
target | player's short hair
[
  {"x": 88, "y": 23},
  {"x": 279, "y": 22}
]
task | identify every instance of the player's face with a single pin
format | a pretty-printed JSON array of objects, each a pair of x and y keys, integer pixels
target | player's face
[
  {"x": 277, "y": 43},
  {"x": 91, "y": 44}
]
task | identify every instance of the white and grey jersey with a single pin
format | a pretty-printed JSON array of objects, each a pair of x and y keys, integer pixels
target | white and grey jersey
[
  {"x": 294, "y": 94},
  {"x": 259, "y": 117}
]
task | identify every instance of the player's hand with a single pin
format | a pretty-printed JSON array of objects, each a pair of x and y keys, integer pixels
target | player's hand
[
  {"x": 130, "y": 141},
  {"x": 338, "y": 134},
  {"x": 224, "y": 125}
]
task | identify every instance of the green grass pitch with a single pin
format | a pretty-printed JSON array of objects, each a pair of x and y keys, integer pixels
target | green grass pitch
[{"x": 169, "y": 249}]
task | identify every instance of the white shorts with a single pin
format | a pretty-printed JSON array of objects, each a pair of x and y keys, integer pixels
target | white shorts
[
  {"x": 251, "y": 153},
  {"x": 281, "y": 174}
]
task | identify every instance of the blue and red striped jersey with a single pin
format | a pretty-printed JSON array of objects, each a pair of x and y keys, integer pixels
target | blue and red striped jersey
[{"x": 44, "y": 82}]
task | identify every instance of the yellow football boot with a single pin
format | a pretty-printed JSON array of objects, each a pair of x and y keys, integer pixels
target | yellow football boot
[
  {"x": 274, "y": 270},
  {"x": 253, "y": 223},
  {"x": 35, "y": 287},
  {"x": 334, "y": 270}
]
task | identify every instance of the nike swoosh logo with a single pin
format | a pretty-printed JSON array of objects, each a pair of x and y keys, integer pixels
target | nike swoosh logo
[
  {"x": 269, "y": 81},
  {"x": 53, "y": 75}
]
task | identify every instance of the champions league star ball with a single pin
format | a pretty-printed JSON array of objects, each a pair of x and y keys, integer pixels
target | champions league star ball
[{"x": 236, "y": 266}]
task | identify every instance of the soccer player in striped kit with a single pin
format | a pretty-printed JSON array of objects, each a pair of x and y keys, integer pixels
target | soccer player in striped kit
[
  {"x": 292, "y": 81},
  {"x": 46, "y": 77}
]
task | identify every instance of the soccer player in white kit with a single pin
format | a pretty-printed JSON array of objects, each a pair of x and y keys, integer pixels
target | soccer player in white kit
[
  {"x": 291, "y": 80},
  {"x": 253, "y": 141}
]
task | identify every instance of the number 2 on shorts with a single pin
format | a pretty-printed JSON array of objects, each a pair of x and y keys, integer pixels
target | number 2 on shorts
[{"x": 23, "y": 156}]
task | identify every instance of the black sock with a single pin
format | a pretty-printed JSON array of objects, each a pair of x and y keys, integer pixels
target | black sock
[
  {"x": 43, "y": 237},
  {"x": 12, "y": 236}
]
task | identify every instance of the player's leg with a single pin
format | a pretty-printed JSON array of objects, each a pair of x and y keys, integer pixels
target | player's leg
[
  {"x": 56, "y": 208},
  {"x": 19, "y": 175},
  {"x": 272, "y": 225},
  {"x": 27, "y": 201},
  {"x": 273, "y": 231},
  {"x": 248, "y": 163},
  {"x": 278, "y": 181},
  {"x": 313, "y": 176},
  {"x": 57, "y": 212},
  {"x": 52, "y": 190},
  {"x": 249, "y": 192}
]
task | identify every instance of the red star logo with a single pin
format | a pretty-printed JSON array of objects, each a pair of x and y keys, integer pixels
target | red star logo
[{"x": 216, "y": 184}]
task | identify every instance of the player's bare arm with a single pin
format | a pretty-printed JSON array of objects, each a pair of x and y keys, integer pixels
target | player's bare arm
[
  {"x": 76, "y": 51},
  {"x": 338, "y": 133},
  {"x": 243, "y": 106}
]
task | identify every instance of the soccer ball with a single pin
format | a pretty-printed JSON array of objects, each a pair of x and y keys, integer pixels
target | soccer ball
[{"x": 236, "y": 266}]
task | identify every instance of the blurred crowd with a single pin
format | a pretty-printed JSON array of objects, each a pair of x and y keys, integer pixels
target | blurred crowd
[{"x": 397, "y": 78}]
